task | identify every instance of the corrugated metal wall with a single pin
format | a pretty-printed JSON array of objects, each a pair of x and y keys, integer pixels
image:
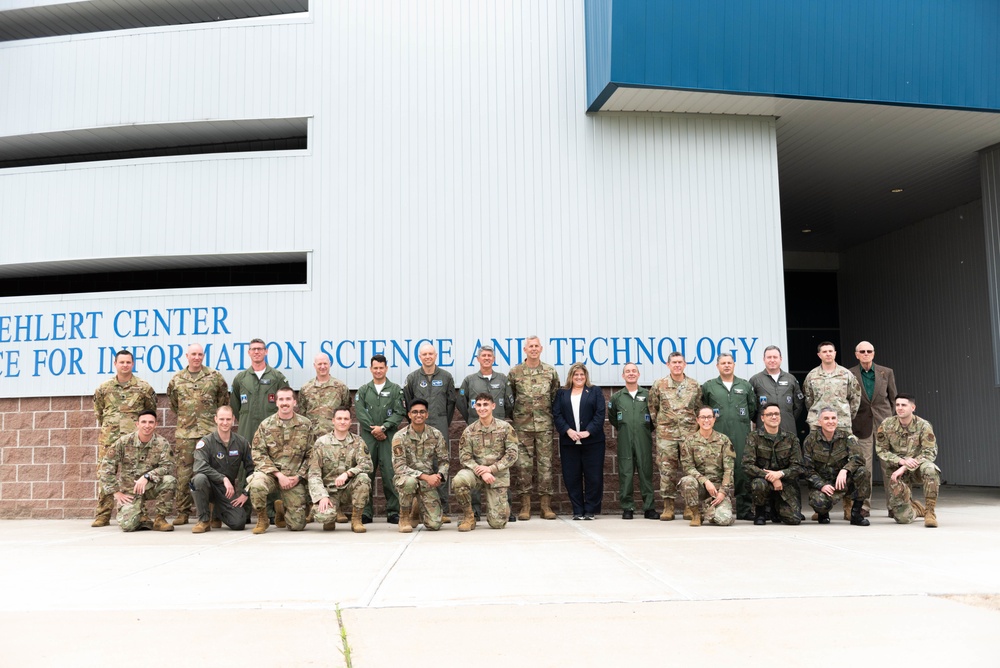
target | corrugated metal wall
[
  {"x": 930, "y": 322},
  {"x": 454, "y": 187},
  {"x": 989, "y": 170}
]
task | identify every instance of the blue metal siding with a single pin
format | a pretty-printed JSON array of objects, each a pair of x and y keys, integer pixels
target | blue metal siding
[
  {"x": 597, "y": 17},
  {"x": 937, "y": 53}
]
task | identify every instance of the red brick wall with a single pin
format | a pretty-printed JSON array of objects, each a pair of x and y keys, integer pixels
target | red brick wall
[{"x": 48, "y": 459}]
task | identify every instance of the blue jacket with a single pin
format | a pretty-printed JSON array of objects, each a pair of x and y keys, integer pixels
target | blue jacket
[{"x": 593, "y": 410}]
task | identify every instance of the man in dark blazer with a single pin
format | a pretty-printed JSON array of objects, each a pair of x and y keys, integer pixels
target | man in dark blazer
[{"x": 878, "y": 399}]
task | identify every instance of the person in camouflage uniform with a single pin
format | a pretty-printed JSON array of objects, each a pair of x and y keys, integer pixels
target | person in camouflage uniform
[
  {"x": 137, "y": 467},
  {"x": 415, "y": 450},
  {"x": 907, "y": 448},
  {"x": 772, "y": 461},
  {"x": 218, "y": 458},
  {"x": 321, "y": 396},
  {"x": 673, "y": 403},
  {"x": 437, "y": 387},
  {"x": 281, "y": 449},
  {"x": 735, "y": 406},
  {"x": 338, "y": 473},
  {"x": 834, "y": 468},
  {"x": 117, "y": 404},
  {"x": 831, "y": 385},
  {"x": 534, "y": 384},
  {"x": 487, "y": 449},
  {"x": 628, "y": 412},
  {"x": 379, "y": 407},
  {"x": 707, "y": 458},
  {"x": 195, "y": 393}
]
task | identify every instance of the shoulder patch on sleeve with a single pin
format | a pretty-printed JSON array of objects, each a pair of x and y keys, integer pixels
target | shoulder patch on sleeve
[{"x": 199, "y": 445}]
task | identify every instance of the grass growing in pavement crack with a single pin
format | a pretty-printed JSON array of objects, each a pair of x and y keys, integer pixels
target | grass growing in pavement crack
[{"x": 346, "y": 651}]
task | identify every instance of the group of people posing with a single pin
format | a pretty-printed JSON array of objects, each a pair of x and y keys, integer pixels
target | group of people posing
[{"x": 293, "y": 460}]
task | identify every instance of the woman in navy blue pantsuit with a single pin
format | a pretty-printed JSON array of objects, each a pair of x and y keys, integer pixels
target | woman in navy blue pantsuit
[{"x": 578, "y": 411}]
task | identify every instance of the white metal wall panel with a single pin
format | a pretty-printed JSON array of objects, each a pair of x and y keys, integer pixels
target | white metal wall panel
[
  {"x": 939, "y": 348},
  {"x": 454, "y": 189}
]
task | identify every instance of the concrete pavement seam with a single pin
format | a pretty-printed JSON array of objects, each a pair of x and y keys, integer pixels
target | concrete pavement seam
[{"x": 369, "y": 594}]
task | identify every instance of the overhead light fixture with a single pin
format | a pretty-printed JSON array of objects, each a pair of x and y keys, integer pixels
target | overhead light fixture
[
  {"x": 896, "y": 190},
  {"x": 806, "y": 231}
]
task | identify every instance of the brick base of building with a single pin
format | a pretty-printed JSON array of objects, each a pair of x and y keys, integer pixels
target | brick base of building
[{"x": 48, "y": 459}]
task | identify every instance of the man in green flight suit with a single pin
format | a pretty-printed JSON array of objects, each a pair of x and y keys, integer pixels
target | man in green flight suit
[
  {"x": 735, "y": 406},
  {"x": 379, "y": 408},
  {"x": 629, "y": 415}
]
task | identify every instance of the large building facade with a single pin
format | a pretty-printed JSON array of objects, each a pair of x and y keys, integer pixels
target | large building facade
[{"x": 608, "y": 175}]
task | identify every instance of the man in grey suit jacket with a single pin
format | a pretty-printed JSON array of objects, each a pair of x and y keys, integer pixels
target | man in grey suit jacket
[{"x": 878, "y": 399}]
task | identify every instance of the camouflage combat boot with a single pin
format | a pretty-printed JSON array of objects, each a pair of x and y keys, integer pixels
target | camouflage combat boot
[
  {"x": 695, "y": 513},
  {"x": 161, "y": 524},
  {"x": 930, "y": 516},
  {"x": 918, "y": 508},
  {"x": 262, "y": 521},
  {"x": 525, "y": 513},
  {"x": 546, "y": 508},
  {"x": 405, "y": 525},
  {"x": 201, "y": 527},
  {"x": 468, "y": 522},
  {"x": 857, "y": 519},
  {"x": 848, "y": 503},
  {"x": 181, "y": 520},
  {"x": 279, "y": 514},
  {"x": 356, "y": 525}
]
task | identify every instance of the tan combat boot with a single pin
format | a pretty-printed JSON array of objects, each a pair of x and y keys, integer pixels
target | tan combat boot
[
  {"x": 695, "y": 516},
  {"x": 329, "y": 526},
  {"x": 405, "y": 523},
  {"x": 342, "y": 517},
  {"x": 201, "y": 527},
  {"x": 525, "y": 513},
  {"x": 468, "y": 522},
  {"x": 215, "y": 524},
  {"x": 356, "y": 525},
  {"x": 930, "y": 517},
  {"x": 546, "y": 508},
  {"x": 262, "y": 521},
  {"x": 687, "y": 513},
  {"x": 668, "y": 510},
  {"x": 918, "y": 508},
  {"x": 445, "y": 519},
  {"x": 847, "y": 508},
  {"x": 279, "y": 514},
  {"x": 101, "y": 521},
  {"x": 415, "y": 512},
  {"x": 161, "y": 524},
  {"x": 181, "y": 520}
]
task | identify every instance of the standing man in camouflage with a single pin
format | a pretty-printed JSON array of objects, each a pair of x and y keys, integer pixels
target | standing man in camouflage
[
  {"x": 628, "y": 412},
  {"x": 487, "y": 449},
  {"x": 495, "y": 384},
  {"x": 217, "y": 461},
  {"x": 707, "y": 458},
  {"x": 437, "y": 387},
  {"x": 779, "y": 387},
  {"x": 136, "y": 467},
  {"x": 379, "y": 407},
  {"x": 834, "y": 469},
  {"x": 673, "y": 403},
  {"x": 195, "y": 393},
  {"x": 735, "y": 406},
  {"x": 321, "y": 396},
  {"x": 255, "y": 391},
  {"x": 878, "y": 401},
  {"x": 831, "y": 385},
  {"x": 338, "y": 473},
  {"x": 281, "y": 450},
  {"x": 772, "y": 461},
  {"x": 906, "y": 445},
  {"x": 117, "y": 404},
  {"x": 419, "y": 459},
  {"x": 534, "y": 384}
]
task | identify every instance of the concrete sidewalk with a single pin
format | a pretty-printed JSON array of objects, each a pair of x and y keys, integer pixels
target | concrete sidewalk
[{"x": 602, "y": 593}]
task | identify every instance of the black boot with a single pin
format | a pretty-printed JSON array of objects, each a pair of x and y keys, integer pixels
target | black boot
[
  {"x": 857, "y": 519},
  {"x": 758, "y": 518},
  {"x": 824, "y": 518}
]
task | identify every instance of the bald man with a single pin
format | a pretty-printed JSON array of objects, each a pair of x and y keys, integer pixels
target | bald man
[
  {"x": 320, "y": 397},
  {"x": 195, "y": 394}
]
